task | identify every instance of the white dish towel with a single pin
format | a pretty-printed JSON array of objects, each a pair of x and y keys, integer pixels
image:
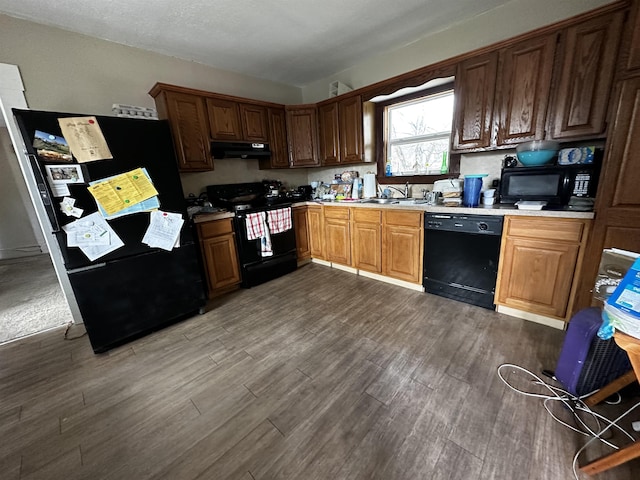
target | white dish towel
[{"x": 257, "y": 228}]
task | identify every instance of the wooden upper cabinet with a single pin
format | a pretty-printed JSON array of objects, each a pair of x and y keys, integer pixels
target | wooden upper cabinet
[
  {"x": 350, "y": 120},
  {"x": 588, "y": 56},
  {"x": 341, "y": 131},
  {"x": 475, "y": 89},
  {"x": 522, "y": 95},
  {"x": 632, "y": 41},
  {"x": 254, "y": 123},
  {"x": 224, "y": 119},
  {"x": 277, "y": 121},
  {"x": 188, "y": 120},
  {"x": 329, "y": 133},
  {"x": 302, "y": 133}
]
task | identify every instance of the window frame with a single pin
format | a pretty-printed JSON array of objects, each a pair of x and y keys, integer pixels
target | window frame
[{"x": 380, "y": 135}]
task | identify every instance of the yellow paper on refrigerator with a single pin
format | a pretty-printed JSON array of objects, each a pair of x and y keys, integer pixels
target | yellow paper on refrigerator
[{"x": 123, "y": 191}]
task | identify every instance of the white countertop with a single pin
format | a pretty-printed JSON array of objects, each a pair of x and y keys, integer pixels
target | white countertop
[{"x": 500, "y": 210}]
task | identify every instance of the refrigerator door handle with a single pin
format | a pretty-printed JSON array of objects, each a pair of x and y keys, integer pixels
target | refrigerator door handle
[
  {"x": 88, "y": 267},
  {"x": 45, "y": 196}
]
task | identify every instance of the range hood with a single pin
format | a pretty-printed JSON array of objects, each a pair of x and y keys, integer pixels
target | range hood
[{"x": 240, "y": 150}]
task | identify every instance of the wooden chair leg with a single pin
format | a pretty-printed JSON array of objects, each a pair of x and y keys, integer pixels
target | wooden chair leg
[
  {"x": 611, "y": 388},
  {"x": 613, "y": 459}
]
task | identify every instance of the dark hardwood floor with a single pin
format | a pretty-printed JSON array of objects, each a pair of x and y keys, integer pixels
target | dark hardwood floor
[{"x": 317, "y": 375}]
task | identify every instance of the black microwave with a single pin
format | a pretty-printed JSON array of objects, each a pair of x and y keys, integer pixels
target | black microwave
[{"x": 554, "y": 184}]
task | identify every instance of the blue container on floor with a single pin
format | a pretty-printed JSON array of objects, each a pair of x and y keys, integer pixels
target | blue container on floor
[{"x": 472, "y": 188}]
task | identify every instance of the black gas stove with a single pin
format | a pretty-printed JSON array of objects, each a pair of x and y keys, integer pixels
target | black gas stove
[
  {"x": 245, "y": 197},
  {"x": 258, "y": 263}
]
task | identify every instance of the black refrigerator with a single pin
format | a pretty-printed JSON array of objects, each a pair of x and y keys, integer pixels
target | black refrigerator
[{"x": 135, "y": 289}]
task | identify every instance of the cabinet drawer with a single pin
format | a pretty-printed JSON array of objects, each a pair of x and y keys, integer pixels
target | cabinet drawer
[
  {"x": 366, "y": 215},
  {"x": 337, "y": 212},
  {"x": 215, "y": 228},
  {"x": 558, "y": 229},
  {"x": 404, "y": 218}
]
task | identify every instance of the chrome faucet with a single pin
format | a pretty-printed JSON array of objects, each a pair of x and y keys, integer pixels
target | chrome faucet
[{"x": 404, "y": 192}]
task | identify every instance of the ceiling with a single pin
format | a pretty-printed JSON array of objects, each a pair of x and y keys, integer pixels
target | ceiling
[{"x": 295, "y": 42}]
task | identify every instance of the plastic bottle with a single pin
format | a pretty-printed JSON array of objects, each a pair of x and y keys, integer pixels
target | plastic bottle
[{"x": 387, "y": 170}]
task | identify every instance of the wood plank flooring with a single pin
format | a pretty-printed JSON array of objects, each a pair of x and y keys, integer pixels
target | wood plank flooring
[{"x": 317, "y": 375}]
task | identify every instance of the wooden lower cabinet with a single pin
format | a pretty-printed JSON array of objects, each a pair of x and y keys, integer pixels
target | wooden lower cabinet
[
  {"x": 302, "y": 233},
  {"x": 315, "y": 223},
  {"x": 539, "y": 264},
  {"x": 217, "y": 242},
  {"x": 402, "y": 243},
  {"x": 366, "y": 244},
  {"x": 337, "y": 235}
]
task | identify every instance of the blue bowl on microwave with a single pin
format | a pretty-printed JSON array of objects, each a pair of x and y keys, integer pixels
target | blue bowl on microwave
[{"x": 537, "y": 152}]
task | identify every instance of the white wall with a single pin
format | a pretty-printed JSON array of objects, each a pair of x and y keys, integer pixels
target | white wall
[
  {"x": 71, "y": 72},
  {"x": 509, "y": 20},
  {"x": 17, "y": 235},
  {"x": 64, "y": 71}
]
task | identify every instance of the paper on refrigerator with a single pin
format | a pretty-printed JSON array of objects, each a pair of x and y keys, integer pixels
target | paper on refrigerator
[
  {"x": 122, "y": 191},
  {"x": 147, "y": 205},
  {"x": 164, "y": 230},
  {"x": 93, "y": 235},
  {"x": 85, "y": 139}
]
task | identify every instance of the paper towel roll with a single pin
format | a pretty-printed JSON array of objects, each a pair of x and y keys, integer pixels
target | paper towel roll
[{"x": 369, "y": 189}]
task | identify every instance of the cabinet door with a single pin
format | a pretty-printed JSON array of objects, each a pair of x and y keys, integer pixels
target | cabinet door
[
  {"x": 302, "y": 232},
  {"x": 224, "y": 119},
  {"x": 316, "y": 231},
  {"x": 351, "y": 140},
  {"x": 536, "y": 275},
  {"x": 222, "y": 262},
  {"x": 367, "y": 240},
  {"x": 524, "y": 81},
  {"x": 401, "y": 253},
  {"x": 475, "y": 88},
  {"x": 302, "y": 132},
  {"x": 278, "y": 138},
  {"x": 402, "y": 240},
  {"x": 632, "y": 42},
  {"x": 617, "y": 221},
  {"x": 187, "y": 117},
  {"x": 254, "y": 123},
  {"x": 338, "y": 240},
  {"x": 589, "y": 53},
  {"x": 328, "y": 127}
]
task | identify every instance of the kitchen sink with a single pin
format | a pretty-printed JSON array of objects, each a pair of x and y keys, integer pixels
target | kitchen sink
[
  {"x": 396, "y": 201},
  {"x": 381, "y": 200}
]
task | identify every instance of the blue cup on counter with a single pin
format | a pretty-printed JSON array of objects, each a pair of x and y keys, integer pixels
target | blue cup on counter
[{"x": 472, "y": 188}]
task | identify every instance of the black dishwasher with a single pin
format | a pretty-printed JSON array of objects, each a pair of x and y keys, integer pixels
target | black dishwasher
[{"x": 461, "y": 256}]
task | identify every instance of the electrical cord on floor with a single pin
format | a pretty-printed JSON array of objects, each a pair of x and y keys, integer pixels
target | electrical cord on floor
[{"x": 575, "y": 405}]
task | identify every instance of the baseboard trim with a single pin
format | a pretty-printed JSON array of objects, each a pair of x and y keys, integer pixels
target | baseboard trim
[
  {"x": 375, "y": 276},
  {"x": 532, "y": 317},
  {"x": 393, "y": 281}
]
